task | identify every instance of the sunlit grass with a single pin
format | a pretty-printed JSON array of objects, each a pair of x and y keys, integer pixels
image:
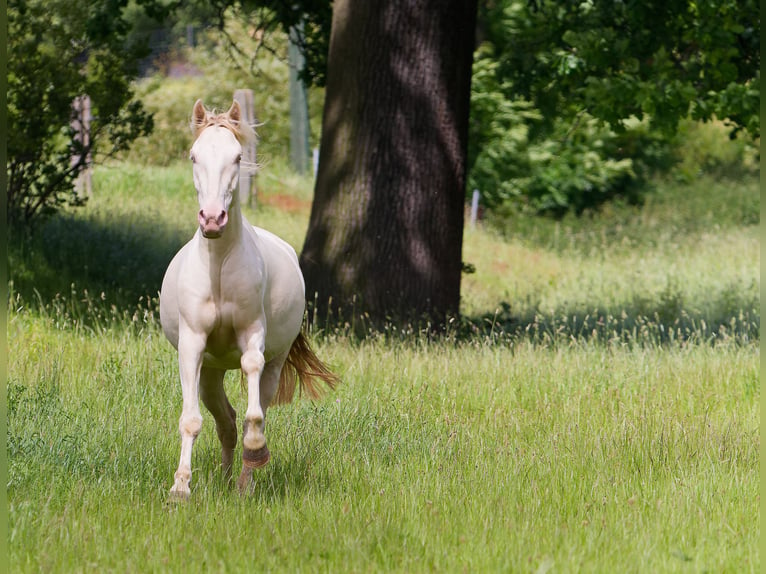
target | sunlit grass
[
  {"x": 429, "y": 456},
  {"x": 543, "y": 441},
  {"x": 682, "y": 261}
]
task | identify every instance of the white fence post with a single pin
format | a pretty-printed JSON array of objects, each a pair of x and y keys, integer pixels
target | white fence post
[
  {"x": 299, "y": 109},
  {"x": 474, "y": 207},
  {"x": 246, "y": 179},
  {"x": 81, "y": 117}
]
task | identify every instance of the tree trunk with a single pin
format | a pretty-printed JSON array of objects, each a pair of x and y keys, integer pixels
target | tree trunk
[{"x": 386, "y": 229}]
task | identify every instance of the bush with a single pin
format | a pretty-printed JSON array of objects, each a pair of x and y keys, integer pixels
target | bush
[
  {"x": 522, "y": 161},
  {"x": 58, "y": 51},
  {"x": 711, "y": 149},
  {"x": 576, "y": 173},
  {"x": 515, "y": 162}
]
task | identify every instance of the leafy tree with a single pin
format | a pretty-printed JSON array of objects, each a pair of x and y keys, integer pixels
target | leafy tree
[
  {"x": 591, "y": 93},
  {"x": 659, "y": 59},
  {"x": 308, "y": 22},
  {"x": 59, "y": 50}
]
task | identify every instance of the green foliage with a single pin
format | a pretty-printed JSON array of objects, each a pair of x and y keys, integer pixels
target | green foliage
[
  {"x": 310, "y": 21},
  {"x": 708, "y": 149},
  {"x": 498, "y": 143},
  {"x": 662, "y": 60},
  {"x": 518, "y": 163},
  {"x": 577, "y": 103},
  {"x": 58, "y": 51},
  {"x": 574, "y": 174},
  {"x": 215, "y": 69}
]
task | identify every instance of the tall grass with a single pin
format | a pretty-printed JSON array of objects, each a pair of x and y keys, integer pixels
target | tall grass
[
  {"x": 530, "y": 445},
  {"x": 684, "y": 265},
  {"x": 428, "y": 457}
]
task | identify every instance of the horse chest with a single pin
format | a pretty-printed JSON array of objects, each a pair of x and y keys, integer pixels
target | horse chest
[
  {"x": 222, "y": 347},
  {"x": 228, "y": 321},
  {"x": 221, "y": 296},
  {"x": 226, "y": 297}
]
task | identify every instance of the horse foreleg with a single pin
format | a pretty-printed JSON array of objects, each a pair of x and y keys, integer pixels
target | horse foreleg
[
  {"x": 254, "y": 450},
  {"x": 190, "y": 348},
  {"x": 214, "y": 397},
  {"x": 260, "y": 398}
]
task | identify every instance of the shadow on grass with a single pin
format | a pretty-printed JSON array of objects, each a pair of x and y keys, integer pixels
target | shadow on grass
[
  {"x": 116, "y": 264},
  {"x": 117, "y": 267},
  {"x": 734, "y": 316},
  {"x": 729, "y": 315}
]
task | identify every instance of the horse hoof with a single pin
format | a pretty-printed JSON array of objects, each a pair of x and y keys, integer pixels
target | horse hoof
[
  {"x": 177, "y": 495},
  {"x": 256, "y": 458}
]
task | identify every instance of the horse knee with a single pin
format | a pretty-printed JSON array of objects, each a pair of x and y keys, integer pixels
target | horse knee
[
  {"x": 252, "y": 362},
  {"x": 190, "y": 425}
]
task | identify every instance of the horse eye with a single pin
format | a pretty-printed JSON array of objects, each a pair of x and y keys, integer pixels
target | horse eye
[
  {"x": 239, "y": 158},
  {"x": 192, "y": 158}
]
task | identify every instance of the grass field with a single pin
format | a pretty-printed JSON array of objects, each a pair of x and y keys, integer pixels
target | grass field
[{"x": 596, "y": 410}]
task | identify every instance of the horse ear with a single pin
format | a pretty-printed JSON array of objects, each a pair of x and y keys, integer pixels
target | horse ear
[
  {"x": 235, "y": 112},
  {"x": 199, "y": 116}
]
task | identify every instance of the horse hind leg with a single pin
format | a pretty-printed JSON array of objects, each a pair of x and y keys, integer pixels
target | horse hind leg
[
  {"x": 255, "y": 453},
  {"x": 214, "y": 397}
]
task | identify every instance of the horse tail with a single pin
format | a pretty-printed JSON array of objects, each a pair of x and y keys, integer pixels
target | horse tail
[{"x": 303, "y": 366}]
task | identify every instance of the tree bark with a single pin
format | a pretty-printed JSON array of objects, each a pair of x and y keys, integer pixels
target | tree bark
[{"x": 385, "y": 234}]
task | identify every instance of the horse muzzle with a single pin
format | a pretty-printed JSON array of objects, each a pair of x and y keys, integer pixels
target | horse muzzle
[{"x": 212, "y": 226}]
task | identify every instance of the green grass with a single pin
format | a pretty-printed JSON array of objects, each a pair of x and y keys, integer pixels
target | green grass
[
  {"x": 686, "y": 264},
  {"x": 531, "y": 446}
]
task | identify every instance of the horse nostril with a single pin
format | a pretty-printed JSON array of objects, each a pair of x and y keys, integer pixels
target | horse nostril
[{"x": 206, "y": 219}]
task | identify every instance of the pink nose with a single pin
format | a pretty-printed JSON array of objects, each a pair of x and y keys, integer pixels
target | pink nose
[{"x": 212, "y": 225}]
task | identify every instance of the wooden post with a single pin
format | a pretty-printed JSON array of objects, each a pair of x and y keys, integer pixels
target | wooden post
[
  {"x": 81, "y": 117},
  {"x": 246, "y": 179}
]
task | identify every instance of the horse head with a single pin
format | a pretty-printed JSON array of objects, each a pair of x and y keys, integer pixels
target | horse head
[{"x": 216, "y": 155}]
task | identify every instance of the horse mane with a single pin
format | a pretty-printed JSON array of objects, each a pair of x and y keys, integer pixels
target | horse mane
[{"x": 243, "y": 131}]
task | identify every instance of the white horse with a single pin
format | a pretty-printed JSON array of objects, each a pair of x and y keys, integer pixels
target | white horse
[{"x": 233, "y": 298}]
